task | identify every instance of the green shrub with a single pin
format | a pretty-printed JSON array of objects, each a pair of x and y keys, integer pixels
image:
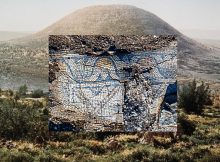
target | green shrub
[
  {"x": 141, "y": 154},
  {"x": 193, "y": 97},
  {"x": 167, "y": 157},
  {"x": 16, "y": 96},
  {"x": 82, "y": 158},
  {"x": 47, "y": 157},
  {"x": 22, "y": 90},
  {"x": 17, "y": 157},
  {"x": 37, "y": 93},
  {"x": 21, "y": 121},
  {"x": 138, "y": 155},
  {"x": 10, "y": 93},
  {"x": 198, "y": 153},
  {"x": 210, "y": 158},
  {"x": 96, "y": 149}
]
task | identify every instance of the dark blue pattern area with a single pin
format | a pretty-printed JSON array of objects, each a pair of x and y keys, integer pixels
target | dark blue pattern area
[
  {"x": 61, "y": 126},
  {"x": 171, "y": 94}
]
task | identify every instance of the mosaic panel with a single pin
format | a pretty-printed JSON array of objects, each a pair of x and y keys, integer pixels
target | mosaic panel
[{"x": 123, "y": 92}]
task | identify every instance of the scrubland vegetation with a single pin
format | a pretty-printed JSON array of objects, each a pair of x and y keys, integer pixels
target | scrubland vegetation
[{"x": 24, "y": 135}]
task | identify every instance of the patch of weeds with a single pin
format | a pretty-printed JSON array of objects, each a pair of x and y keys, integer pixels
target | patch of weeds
[
  {"x": 15, "y": 156},
  {"x": 210, "y": 158}
]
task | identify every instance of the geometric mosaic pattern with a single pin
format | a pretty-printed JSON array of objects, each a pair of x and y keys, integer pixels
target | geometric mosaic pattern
[{"x": 125, "y": 92}]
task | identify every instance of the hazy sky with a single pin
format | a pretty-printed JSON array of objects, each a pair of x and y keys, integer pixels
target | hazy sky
[{"x": 34, "y": 15}]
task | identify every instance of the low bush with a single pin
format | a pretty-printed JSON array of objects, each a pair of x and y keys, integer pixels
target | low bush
[
  {"x": 16, "y": 157},
  {"x": 193, "y": 97},
  {"x": 21, "y": 121},
  {"x": 210, "y": 158},
  {"x": 22, "y": 90},
  {"x": 37, "y": 93}
]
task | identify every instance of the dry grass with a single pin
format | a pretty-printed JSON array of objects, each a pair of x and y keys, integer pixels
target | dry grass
[
  {"x": 202, "y": 120},
  {"x": 127, "y": 138}
]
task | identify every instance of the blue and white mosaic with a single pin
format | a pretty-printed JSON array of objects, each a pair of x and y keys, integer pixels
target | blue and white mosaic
[{"x": 121, "y": 92}]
